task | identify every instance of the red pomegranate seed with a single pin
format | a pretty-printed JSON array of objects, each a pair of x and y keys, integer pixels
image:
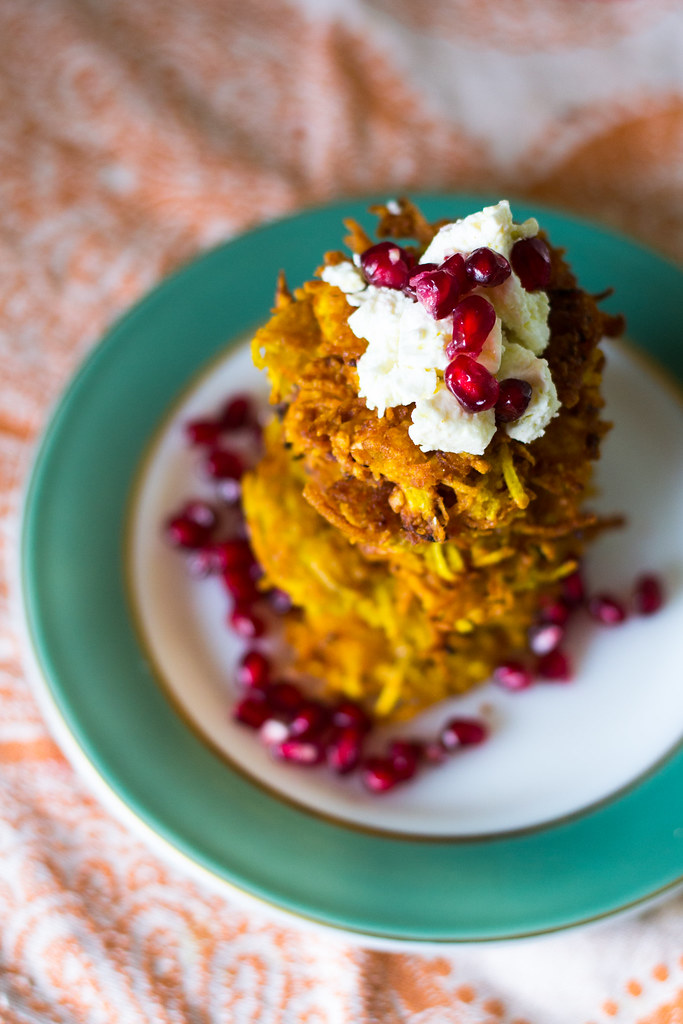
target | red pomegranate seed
[
  {"x": 513, "y": 675},
  {"x": 557, "y": 612},
  {"x": 379, "y": 774},
  {"x": 246, "y": 623},
  {"x": 405, "y": 756},
  {"x": 251, "y": 711},
  {"x": 203, "y": 562},
  {"x": 310, "y": 720},
  {"x": 648, "y": 596},
  {"x": 183, "y": 532},
  {"x": 234, "y": 553},
  {"x": 573, "y": 589},
  {"x": 606, "y": 609},
  {"x": 237, "y": 413},
  {"x": 473, "y": 321},
  {"x": 487, "y": 268},
  {"x": 222, "y": 464},
  {"x": 437, "y": 291},
  {"x": 273, "y": 732},
  {"x": 279, "y": 601},
  {"x": 203, "y": 432},
  {"x": 201, "y": 513},
  {"x": 545, "y": 637},
  {"x": 241, "y": 585},
  {"x": 555, "y": 666},
  {"x": 284, "y": 697},
  {"x": 386, "y": 265},
  {"x": 455, "y": 265},
  {"x": 349, "y": 714},
  {"x": 253, "y": 670},
  {"x": 305, "y": 753},
  {"x": 530, "y": 258},
  {"x": 462, "y": 732},
  {"x": 513, "y": 399},
  {"x": 435, "y": 752},
  {"x": 229, "y": 490},
  {"x": 344, "y": 749},
  {"x": 471, "y": 383}
]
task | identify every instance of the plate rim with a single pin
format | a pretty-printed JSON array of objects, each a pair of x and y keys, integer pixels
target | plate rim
[{"x": 183, "y": 278}]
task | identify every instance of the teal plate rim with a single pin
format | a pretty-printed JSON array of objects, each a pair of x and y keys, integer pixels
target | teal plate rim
[{"x": 616, "y": 856}]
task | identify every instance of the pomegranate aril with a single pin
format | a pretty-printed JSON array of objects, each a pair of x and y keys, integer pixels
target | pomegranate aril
[
  {"x": 252, "y": 711},
  {"x": 183, "y": 532},
  {"x": 284, "y": 697},
  {"x": 405, "y": 755},
  {"x": 203, "y": 432},
  {"x": 487, "y": 268},
  {"x": 648, "y": 595},
  {"x": 237, "y": 413},
  {"x": 513, "y": 675},
  {"x": 241, "y": 585},
  {"x": 279, "y": 601},
  {"x": 555, "y": 666},
  {"x": 305, "y": 753},
  {"x": 234, "y": 553},
  {"x": 471, "y": 383},
  {"x": 514, "y": 396},
  {"x": 223, "y": 464},
  {"x": 437, "y": 291},
  {"x": 202, "y": 562},
  {"x": 253, "y": 670},
  {"x": 573, "y": 589},
  {"x": 347, "y": 713},
  {"x": 557, "y": 612},
  {"x": 311, "y": 719},
  {"x": 455, "y": 266},
  {"x": 435, "y": 752},
  {"x": 229, "y": 490},
  {"x": 344, "y": 749},
  {"x": 201, "y": 513},
  {"x": 473, "y": 321},
  {"x": 545, "y": 637},
  {"x": 606, "y": 609},
  {"x": 379, "y": 774},
  {"x": 386, "y": 265},
  {"x": 530, "y": 258},
  {"x": 246, "y": 623},
  {"x": 462, "y": 732},
  {"x": 273, "y": 732}
]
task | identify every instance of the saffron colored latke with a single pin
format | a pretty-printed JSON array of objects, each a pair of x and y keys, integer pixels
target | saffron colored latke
[{"x": 415, "y": 570}]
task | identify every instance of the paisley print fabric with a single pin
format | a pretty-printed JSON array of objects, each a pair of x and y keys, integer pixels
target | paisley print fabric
[{"x": 132, "y": 136}]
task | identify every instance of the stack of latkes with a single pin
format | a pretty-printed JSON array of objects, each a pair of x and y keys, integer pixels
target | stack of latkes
[{"x": 412, "y": 574}]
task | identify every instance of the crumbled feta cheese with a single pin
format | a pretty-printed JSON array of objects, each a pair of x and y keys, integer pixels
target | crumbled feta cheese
[
  {"x": 345, "y": 276},
  {"x": 518, "y": 362},
  {"x": 441, "y": 423},
  {"x": 493, "y": 227}
]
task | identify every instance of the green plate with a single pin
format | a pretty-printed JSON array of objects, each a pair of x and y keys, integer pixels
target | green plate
[{"x": 80, "y": 627}]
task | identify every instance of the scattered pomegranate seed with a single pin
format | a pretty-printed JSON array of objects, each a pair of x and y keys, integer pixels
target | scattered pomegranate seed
[
  {"x": 183, "y": 532},
  {"x": 606, "y": 609},
  {"x": 344, "y": 749},
  {"x": 455, "y": 265},
  {"x": 284, "y": 697},
  {"x": 273, "y": 732},
  {"x": 648, "y": 595},
  {"x": 222, "y": 464},
  {"x": 435, "y": 753},
  {"x": 487, "y": 268},
  {"x": 229, "y": 490},
  {"x": 513, "y": 675},
  {"x": 555, "y": 666},
  {"x": 201, "y": 513},
  {"x": 305, "y": 753},
  {"x": 279, "y": 601},
  {"x": 253, "y": 670},
  {"x": 246, "y": 623},
  {"x": 379, "y": 774},
  {"x": 241, "y": 585},
  {"x": 473, "y": 321},
  {"x": 203, "y": 432},
  {"x": 530, "y": 258},
  {"x": 545, "y": 637},
  {"x": 437, "y": 291},
  {"x": 557, "y": 612},
  {"x": 202, "y": 562},
  {"x": 251, "y": 711},
  {"x": 405, "y": 756},
  {"x": 237, "y": 413},
  {"x": 513, "y": 399},
  {"x": 232, "y": 554},
  {"x": 349, "y": 714},
  {"x": 386, "y": 265},
  {"x": 574, "y": 589},
  {"x": 462, "y": 732},
  {"x": 471, "y": 383},
  {"x": 311, "y": 719}
]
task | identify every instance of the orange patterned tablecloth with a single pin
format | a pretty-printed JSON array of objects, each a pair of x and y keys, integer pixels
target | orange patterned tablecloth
[{"x": 133, "y": 135}]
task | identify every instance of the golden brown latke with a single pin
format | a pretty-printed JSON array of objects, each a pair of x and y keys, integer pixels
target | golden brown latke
[{"x": 414, "y": 574}]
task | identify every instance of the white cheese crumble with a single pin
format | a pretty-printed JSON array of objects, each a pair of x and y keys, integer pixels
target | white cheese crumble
[{"x": 406, "y": 347}]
